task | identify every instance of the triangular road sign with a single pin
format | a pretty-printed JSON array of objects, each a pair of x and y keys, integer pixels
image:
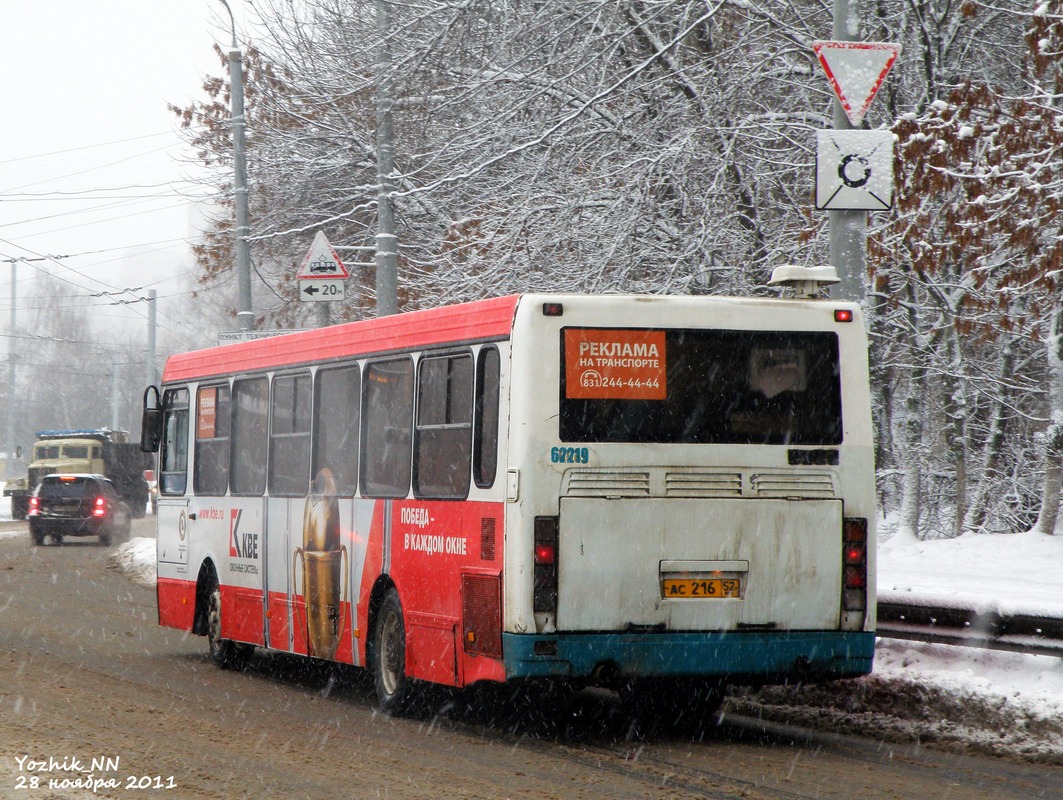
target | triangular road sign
[
  {"x": 321, "y": 261},
  {"x": 856, "y": 70}
]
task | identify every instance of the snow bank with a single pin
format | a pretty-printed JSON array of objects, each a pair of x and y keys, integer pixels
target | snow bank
[
  {"x": 1006, "y": 573},
  {"x": 1002, "y": 704},
  {"x": 136, "y": 559}
]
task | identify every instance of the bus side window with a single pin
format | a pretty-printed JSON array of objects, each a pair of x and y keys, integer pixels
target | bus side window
[
  {"x": 289, "y": 437},
  {"x": 443, "y": 445},
  {"x": 250, "y": 402},
  {"x": 387, "y": 420},
  {"x": 485, "y": 435},
  {"x": 210, "y": 473},
  {"x": 174, "y": 459},
  {"x": 337, "y": 406}
]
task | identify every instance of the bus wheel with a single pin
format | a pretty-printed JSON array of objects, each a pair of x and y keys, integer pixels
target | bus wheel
[
  {"x": 224, "y": 653},
  {"x": 389, "y": 656}
]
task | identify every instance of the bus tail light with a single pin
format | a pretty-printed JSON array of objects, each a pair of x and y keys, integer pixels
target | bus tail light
[
  {"x": 854, "y": 564},
  {"x": 545, "y": 558}
]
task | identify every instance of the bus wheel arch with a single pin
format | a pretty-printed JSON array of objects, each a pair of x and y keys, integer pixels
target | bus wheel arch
[
  {"x": 387, "y": 650},
  {"x": 205, "y": 581},
  {"x": 223, "y": 653}
]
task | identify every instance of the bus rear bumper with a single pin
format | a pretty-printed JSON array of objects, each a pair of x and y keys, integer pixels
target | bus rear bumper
[{"x": 739, "y": 657}]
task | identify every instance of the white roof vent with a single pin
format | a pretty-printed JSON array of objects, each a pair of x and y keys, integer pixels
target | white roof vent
[{"x": 805, "y": 281}]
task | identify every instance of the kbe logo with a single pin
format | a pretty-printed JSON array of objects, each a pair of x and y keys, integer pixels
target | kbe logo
[{"x": 241, "y": 545}]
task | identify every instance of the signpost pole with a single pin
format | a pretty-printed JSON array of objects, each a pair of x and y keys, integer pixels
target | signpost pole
[
  {"x": 848, "y": 228},
  {"x": 387, "y": 255}
]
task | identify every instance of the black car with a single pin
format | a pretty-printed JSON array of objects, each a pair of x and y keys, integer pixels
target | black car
[{"x": 77, "y": 505}]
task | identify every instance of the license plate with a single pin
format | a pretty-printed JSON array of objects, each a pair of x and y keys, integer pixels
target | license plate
[{"x": 699, "y": 588}]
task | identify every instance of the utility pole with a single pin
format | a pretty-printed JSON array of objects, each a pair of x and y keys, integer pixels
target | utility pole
[
  {"x": 12, "y": 356},
  {"x": 244, "y": 315},
  {"x": 115, "y": 392},
  {"x": 848, "y": 228},
  {"x": 387, "y": 255},
  {"x": 152, "y": 376}
]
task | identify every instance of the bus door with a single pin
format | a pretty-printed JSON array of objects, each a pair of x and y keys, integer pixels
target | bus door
[
  {"x": 284, "y": 514},
  {"x": 310, "y": 563},
  {"x": 241, "y": 433},
  {"x": 171, "y": 520}
]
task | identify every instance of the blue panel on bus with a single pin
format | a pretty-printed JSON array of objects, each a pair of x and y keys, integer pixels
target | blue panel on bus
[{"x": 736, "y": 657}]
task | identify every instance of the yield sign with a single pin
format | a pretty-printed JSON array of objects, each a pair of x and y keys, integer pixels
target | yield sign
[
  {"x": 856, "y": 70},
  {"x": 321, "y": 261}
]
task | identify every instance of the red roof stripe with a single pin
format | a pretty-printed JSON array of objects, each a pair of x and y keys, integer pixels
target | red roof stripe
[{"x": 479, "y": 320}]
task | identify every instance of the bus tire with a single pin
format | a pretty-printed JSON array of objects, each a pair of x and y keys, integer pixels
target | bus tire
[
  {"x": 224, "y": 653},
  {"x": 393, "y": 689}
]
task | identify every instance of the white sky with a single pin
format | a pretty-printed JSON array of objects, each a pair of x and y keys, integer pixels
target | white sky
[{"x": 90, "y": 157}]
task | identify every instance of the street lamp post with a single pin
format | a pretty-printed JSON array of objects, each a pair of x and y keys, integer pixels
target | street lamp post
[{"x": 244, "y": 315}]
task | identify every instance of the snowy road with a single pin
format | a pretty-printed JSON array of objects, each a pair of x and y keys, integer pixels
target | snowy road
[{"x": 85, "y": 673}]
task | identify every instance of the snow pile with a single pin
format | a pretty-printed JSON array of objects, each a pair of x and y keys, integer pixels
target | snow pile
[
  {"x": 135, "y": 559},
  {"x": 1007, "y": 573},
  {"x": 1004, "y": 704}
]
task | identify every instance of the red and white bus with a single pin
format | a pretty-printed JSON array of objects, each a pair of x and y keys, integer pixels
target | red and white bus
[{"x": 600, "y": 490}]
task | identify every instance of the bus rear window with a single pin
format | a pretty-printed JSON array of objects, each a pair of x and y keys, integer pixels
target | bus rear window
[{"x": 700, "y": 387}]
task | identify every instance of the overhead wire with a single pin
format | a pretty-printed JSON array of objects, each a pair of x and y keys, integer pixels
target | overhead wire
[
  {"x": 84, "y": 147},
  {"x": 85, "y": 294},
  {"x": 90, "y": 169}
]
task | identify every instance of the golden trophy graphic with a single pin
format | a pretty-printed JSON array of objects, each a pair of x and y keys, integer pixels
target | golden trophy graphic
[{"x": 322, "y": 556}]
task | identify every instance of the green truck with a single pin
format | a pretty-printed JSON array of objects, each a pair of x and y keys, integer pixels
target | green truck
[{"x": 99, "y": 451}]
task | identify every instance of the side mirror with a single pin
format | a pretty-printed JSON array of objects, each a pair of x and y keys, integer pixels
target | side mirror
[{"x": 151, "y": 422}]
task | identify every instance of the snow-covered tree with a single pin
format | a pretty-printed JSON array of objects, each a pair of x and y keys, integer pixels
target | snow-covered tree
[
  {"x": 666, "y": 146},
  {"x": 967, "y": 267},
  {"x": 603, "y": 146}
]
